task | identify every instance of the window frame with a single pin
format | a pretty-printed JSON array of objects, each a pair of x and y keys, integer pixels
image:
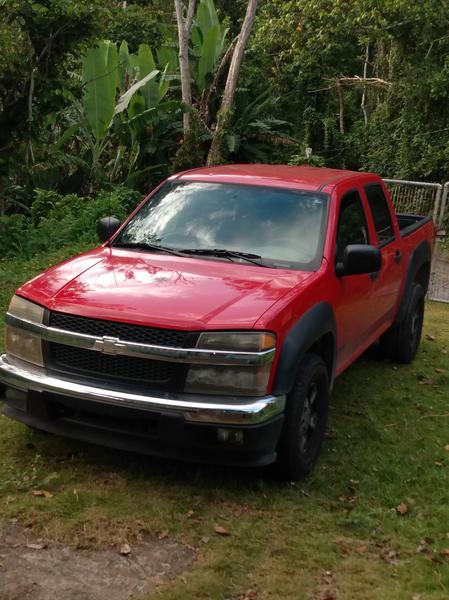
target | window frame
[
  {"x": 364, "y": 215},
  {"x": 380, "y": 243}
]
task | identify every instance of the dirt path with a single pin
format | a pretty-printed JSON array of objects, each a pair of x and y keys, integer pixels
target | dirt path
[{"x": 34, "y": 569}]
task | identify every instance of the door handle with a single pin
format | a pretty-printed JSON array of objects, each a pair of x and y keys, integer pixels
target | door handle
[{"x": 397, "y": 256}]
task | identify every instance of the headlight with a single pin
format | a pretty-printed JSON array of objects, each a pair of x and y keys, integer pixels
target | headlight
[
  {"x": 238, "y": 380},
  {"x": 18, "y": 342},
  {"x": 251, "y": 341},
  {"x": 24, "y": 309}
]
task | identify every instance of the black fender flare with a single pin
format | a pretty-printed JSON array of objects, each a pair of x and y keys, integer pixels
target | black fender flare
[
  {"x": 421, "y": 255},
  {"x": 308, "y": 329}
]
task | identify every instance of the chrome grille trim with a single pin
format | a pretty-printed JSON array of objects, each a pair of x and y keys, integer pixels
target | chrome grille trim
[{"x": 117, "y": 346}]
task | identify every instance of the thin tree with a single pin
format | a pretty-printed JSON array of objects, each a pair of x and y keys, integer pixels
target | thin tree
[
  {"x": 227, "y": 101},
  {"x": 184, "y": 29}
]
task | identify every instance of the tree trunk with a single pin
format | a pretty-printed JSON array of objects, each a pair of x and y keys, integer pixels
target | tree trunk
[
  {"x": 365, "y": 73},
  {"x": 341, "y": 102},
  {"x": 184, "y": 27},
  {"x": 227, "y": 101}
]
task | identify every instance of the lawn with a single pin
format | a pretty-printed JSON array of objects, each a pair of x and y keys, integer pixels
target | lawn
[{"x": 372, "y": 522}]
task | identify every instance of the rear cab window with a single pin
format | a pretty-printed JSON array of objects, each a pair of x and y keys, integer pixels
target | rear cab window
[{"x": 380, "y": 211}]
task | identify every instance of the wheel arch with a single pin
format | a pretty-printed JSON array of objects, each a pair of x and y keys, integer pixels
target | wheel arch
[
  {"x": 314, "y": 332},
  {"x": 418, "y": 271}
]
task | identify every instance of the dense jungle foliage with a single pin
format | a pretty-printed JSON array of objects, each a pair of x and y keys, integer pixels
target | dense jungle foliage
[{"x": 90, "y": 98}]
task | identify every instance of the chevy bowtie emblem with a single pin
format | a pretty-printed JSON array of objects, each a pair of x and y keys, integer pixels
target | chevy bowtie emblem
[{"x": 109, "y": 345}]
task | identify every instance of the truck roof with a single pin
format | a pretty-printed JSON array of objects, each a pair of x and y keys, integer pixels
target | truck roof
[{"x": 302, "y": 177}]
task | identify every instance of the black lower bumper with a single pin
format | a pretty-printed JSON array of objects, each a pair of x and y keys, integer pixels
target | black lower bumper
[{"x": 151, "y": 433}]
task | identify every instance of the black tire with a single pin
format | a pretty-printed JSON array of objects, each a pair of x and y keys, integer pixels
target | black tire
[
  {"x": 401, "y": 342},
  {"x": 305, "y": 419}
]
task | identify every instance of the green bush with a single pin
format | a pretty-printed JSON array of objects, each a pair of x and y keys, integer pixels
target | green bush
[{"x": 57, "y": 220}]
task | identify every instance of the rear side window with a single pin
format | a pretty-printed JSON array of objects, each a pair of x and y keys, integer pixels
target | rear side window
[
  {"x": 352, "y": 227},
  {"x": 381, "y": 213}
]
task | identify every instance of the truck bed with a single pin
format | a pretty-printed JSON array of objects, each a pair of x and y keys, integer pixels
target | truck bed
[{"x": 410, "y": 223}]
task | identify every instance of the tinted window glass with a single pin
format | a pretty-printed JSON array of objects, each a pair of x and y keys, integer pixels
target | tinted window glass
[
  {"x": 352, "y": 227},
  {"x": 381, "y": 213},
  {"x": 274, "y": 223}
]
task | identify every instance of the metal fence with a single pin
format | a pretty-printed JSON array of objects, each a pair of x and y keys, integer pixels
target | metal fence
[
  {"x": 416, "y": 197},
  {"x": 443, "y": 219},
  {"x": 431, "y": 199}
]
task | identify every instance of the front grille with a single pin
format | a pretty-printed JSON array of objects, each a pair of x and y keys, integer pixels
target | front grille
[
  {"x": 135, "y": 372},
  {"x": 122, "y": 367},
  {"x": 124, "y": 331}
]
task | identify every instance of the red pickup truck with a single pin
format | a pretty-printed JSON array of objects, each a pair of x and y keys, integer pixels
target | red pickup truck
[{"x": 211, "y": 325}]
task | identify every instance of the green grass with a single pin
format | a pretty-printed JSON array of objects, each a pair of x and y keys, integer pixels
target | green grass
[{"x": 337, "y": 533}]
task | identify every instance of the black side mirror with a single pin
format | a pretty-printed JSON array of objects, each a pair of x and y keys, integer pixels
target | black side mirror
[
  {"x": 106, "y": 227},
  {"x": 359, "y": 259}
]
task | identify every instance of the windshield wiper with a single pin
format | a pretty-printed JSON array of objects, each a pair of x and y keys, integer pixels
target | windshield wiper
[
  {"x": 148, "y": 246},
  {"x": 221, "y": 252},
  {"x": 252, "y": 258}
]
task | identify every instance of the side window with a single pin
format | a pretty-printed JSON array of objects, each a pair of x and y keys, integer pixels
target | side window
[
  {"x": 381, "y": 212},
  {"x": 352, "y": 228}
]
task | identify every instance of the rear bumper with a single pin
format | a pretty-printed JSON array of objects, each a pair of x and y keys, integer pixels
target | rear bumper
[{"x": 174, "y": 425}]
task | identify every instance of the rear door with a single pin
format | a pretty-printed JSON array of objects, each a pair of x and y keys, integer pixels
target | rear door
[{"x": 389, "y": 278}]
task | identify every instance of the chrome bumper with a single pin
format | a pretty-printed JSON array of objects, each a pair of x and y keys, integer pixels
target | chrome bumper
[{"x": 194, "y": 408}]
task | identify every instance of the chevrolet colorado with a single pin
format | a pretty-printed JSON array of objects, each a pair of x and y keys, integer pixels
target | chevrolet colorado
[{"x": 212, "y": 323}]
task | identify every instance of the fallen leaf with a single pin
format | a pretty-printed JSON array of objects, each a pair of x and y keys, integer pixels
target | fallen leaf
[
  {"x": 444, "y": 352},
  {"x": 361, "y": 549},
  {"x": 416, "y": 597},
  {"x": 41, "y": 493},
  {"x": 221, "y": 530},
  {"x": 249, "y": 595},
  {"x": 37, "y": 546},
  {"x": 163, "y": 535},
  {"x": 439, "y": 370},
  {"x": 446, "y": 447},
  {"x": 429, "y": 337},
  {"x": 205, "y": 539},
  {"x": 445, "y": 552},
  {"x": 402, "y": 508},
  {"x": 425, "y": 381},
  {"x": 390, "y": 556},
  {"x": 125, "y": 549},
  {"x": 189, "y": 514}
]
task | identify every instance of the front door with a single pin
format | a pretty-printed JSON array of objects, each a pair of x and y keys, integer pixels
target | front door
[{"x": 355, "y": 292}]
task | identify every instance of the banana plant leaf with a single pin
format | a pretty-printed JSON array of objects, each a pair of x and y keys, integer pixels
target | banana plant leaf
[
  {"x": 124, "y": 66},
  {"x": 99, "y": 92},
  {"x": 125, "y": 98}
]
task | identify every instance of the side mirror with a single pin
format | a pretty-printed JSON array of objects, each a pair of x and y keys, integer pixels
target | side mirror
[
  {"x": 106, "y": 227},
  {"x": 359, "y": 259}
]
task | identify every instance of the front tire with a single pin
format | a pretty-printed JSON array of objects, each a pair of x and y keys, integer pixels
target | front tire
[
  {"x": 401, "y": 342},
  {"x": 305, "y": 419}
]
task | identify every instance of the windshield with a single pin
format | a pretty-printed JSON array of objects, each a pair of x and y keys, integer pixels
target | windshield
[{"x": 283, "y": 227}]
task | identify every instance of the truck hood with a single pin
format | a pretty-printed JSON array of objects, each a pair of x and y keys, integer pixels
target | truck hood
[{"x": 161, "y": 290}]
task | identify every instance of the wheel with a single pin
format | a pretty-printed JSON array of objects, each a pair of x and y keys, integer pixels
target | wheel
[
  {"x": 401, "y": 342},
  {"x": 305, "y": 419}
]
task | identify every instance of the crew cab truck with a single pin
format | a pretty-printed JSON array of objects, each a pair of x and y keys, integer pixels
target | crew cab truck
[{"x": 211, "y": 325}]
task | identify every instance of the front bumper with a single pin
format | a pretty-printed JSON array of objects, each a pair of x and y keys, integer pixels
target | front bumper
[{"x": 175, "y": 425}]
